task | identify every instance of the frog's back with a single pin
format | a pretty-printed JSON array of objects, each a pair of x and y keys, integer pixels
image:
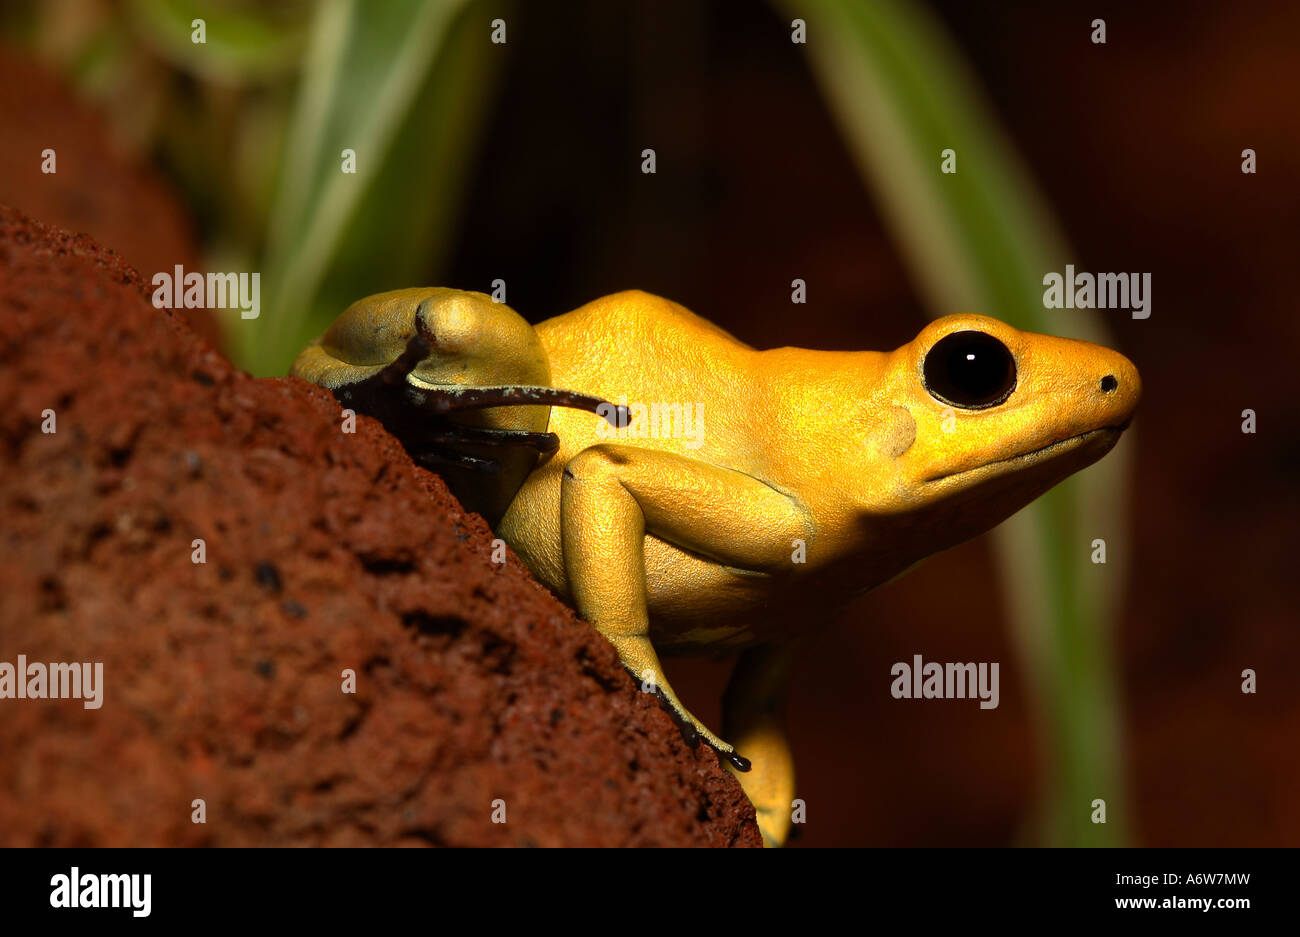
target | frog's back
[{"x": 637, "y": 338}]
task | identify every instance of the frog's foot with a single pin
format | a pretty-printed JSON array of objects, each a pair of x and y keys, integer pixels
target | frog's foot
[
  {"x": 693, "y": 731},
  {"x": 691, "y": 728}
]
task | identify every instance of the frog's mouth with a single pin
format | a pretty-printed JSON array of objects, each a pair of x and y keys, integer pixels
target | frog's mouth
[{"x": 1097, "y": 442}]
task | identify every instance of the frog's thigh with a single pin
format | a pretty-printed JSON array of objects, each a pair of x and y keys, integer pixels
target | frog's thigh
[
  {"x": 611, "y": 496},
  {"x": 753, "y": 718}
]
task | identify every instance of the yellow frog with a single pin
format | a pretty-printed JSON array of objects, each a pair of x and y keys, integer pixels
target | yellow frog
[{"x": 734, "y": 499}]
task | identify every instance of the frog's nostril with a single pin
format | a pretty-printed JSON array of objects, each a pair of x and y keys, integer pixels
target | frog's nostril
[{"x": 1108, "y": 384}]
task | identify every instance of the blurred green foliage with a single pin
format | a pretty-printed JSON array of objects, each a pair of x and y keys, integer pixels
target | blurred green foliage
[
  {"x": 401, "y": 85},
  {"x": 253, "y": 122}
]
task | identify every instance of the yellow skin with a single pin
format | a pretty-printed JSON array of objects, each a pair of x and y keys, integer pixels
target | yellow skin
[{"x": 819, "y": 475}]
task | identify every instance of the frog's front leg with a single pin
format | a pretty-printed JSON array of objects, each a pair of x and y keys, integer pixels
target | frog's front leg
[
  {"x": 753, "y": 716},
  {"x": 612, "y": 496}
]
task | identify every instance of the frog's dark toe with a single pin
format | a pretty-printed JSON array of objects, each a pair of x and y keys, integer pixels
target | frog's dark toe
[
  {"x": 691, "y": 735},
  {"x": 738, "y": 761}
]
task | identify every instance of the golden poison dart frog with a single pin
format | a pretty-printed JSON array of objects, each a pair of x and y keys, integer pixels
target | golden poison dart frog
[{"x": 733, "y": 500}]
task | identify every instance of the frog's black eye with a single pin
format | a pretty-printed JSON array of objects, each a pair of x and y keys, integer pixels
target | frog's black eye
[{"x": 970, "y": 370}]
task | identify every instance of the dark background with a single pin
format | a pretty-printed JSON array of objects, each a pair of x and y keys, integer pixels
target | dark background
[{"x": 1136, "y": 145}]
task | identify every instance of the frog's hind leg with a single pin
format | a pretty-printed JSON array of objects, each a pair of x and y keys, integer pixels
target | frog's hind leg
[
  {"x": 447, "y": 398},
  {"x": 400, "y": 401},
  {"x": 612, "y": 496}
]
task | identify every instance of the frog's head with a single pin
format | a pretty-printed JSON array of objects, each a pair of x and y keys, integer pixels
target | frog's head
[{"x": 979, "y": 418}]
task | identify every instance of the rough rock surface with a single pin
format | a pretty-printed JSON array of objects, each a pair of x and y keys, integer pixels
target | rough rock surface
[{"x": 324, "y": 552}]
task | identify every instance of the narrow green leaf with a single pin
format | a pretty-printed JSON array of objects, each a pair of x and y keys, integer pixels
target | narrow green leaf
[
  {"x": 368, "y": 68},
  {"x": 239, "y": 44}
]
